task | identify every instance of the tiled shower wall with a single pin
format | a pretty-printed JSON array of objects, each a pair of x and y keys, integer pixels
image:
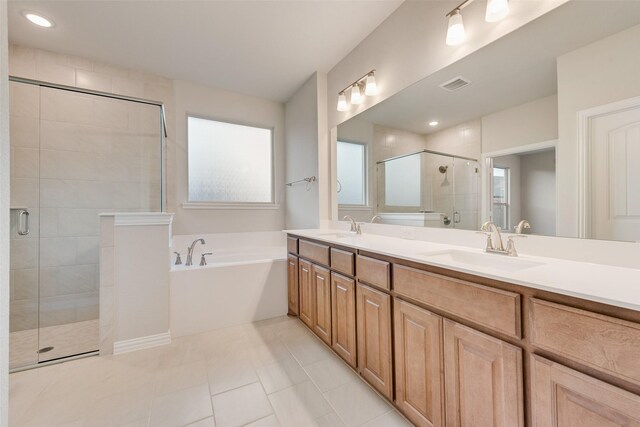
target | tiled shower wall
[{"x": 94, "y": 158}]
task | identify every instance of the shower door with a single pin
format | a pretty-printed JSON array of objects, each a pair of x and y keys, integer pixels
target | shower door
[
  {"x": 466, "y": 187},
  {"x": 73, "y": 156}
]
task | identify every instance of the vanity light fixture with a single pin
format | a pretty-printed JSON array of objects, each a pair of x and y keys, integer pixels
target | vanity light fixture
[
  {"x": 356, "y": 94},
  {"x": 496, "y": 10},
  {"x": 455, "y": 29},
  {"x": 342, "y": 102},
  {"x": 364, "y": 86},
  {"x": 433, "y": 123},
  {"x": 39, "y": 20}
]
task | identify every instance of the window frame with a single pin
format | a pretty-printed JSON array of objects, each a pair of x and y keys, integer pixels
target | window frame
[
  {"x": 365, "y": 169},
  {"x": 507, "y": 195},
  {"x": 196, "y": 204}
]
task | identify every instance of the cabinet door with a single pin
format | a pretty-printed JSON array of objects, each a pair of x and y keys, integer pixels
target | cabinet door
[
  {"x": 483, "y": 379},
  {"x": 306, "y": 292},
  {"x": 374, "y": 338},
  {"x": 563, "y": 397},
  {"x": 321, "y": 285},
  {"x": 343, "y": 317},
  {"x": 418, "y": 351},
  {"x": 292, "y": 284}
]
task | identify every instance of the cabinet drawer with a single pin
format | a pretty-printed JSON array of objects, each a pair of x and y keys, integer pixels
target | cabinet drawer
[
  {"x": 292, "y": 245},
  {"x": 342, "y": 261},
  {"x": 602, "y": 342},
  {"x": 314, "y": 251},
  {"x": 493, "y": 308},
  {"x": 373, "y": 271}
]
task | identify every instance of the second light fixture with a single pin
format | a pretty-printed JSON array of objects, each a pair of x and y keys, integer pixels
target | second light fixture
[{"x": 364, "y": 86}]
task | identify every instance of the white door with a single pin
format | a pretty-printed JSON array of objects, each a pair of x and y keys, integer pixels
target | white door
[{"x": 615, "y": 175}]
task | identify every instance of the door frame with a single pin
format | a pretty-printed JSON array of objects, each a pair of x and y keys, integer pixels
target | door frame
[
  {"x": 486, "y": 178},
  {"x": 585, "y": 136}
]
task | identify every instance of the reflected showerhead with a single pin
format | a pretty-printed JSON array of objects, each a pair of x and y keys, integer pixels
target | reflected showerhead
[{"x": 443, "y": 169}]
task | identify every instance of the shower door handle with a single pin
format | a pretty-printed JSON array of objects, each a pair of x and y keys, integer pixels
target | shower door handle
[
  {"x": 456, "y": 217},
  {"x": 23, "y": 223}
]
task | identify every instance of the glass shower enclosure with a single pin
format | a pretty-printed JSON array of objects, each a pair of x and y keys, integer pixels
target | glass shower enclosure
[
  {"x": 74, "y": 155},
  {"x": 443, "y": 188}
]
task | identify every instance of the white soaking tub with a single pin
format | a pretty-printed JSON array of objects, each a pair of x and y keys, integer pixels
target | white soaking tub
[{"x": 244, "y": 280}]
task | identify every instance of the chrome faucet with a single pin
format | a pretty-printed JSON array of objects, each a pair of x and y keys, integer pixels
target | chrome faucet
[
  {"x": 522, "y": 225},
  {"x": 355, "y": 227},
  {"x": 494, "y": 240},
  {"x": 190, "y": 251},
  {"x": 373, "y": 219}
]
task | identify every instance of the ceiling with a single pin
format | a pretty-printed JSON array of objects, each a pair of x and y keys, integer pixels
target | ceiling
[
  {"x": 515, "y": 69},
  {"x": 263, "y": 48}
]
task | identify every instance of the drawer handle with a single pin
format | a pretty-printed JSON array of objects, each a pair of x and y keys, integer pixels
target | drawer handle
[
  {"x": 320, "y": 277},
  {"x": 342, "y": 288},
  {"x": 373, "y": 304},
  {"x": 305, "y": 270}
]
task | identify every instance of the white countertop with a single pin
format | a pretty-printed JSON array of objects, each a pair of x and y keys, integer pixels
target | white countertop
[{"x": 611, "y": 285}]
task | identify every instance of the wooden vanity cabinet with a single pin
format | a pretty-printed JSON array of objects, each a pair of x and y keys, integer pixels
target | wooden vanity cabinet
[
  {"x": 306, "y": 302},
  {"x": 373, "y": 313},
  {"x": 321, "y": 303},
  {"x": 562, "y": 397},
  {"x": 483, "y": 379},
  {"x": 343, "y": 317},
  {"x": 419, "y": 381},
  {"x": 292, "y": 284}
]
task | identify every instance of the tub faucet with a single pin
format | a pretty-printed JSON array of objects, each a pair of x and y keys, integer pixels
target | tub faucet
[{"x": 190, "y": 251}]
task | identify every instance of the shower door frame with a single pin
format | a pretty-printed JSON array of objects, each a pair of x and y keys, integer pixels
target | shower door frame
[{"x": 163, "y": 174}]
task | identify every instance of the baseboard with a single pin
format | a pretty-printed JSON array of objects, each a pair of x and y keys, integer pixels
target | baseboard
[{"x": 141, "y": 343}]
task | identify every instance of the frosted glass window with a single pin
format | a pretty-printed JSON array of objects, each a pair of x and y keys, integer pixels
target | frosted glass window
[
  {"x": 352, "y": 177},
  {"x": 402, "y": 181},
  {"x": 229, "y": 163}
]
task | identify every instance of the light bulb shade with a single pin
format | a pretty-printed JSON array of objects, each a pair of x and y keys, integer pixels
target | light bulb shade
[
  {"x": 342, "y": 102},
  {"x": 371, "y": 88},
  {"x": 496, "y": 10},
  {"x": 455, "y": 31},
  {"x": 356, "y": 95}
]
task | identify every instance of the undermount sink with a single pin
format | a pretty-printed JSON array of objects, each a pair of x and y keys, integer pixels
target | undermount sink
[
  {"x": 485, "y": 260},
  {"x": 339, "y": 235}
]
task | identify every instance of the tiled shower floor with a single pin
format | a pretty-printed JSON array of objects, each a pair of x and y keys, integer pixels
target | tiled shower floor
[
  {"x": 68, "y": 339},
  {"x": 269, "y": 373}
]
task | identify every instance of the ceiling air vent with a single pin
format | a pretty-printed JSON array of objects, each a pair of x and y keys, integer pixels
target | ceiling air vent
[{"x": 455, "y": 84}]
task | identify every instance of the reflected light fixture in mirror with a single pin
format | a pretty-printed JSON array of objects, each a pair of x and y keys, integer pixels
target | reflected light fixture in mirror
[
  {"x": 38, "y": 20},
  {"x": 433, "y": 123},
  {"x": 364, "y": 86},
  {"x": 496, "y": 10},
  {"x": 356, "y": 94},
  {"x": 455, "y": 30},
  {"x": 342, "y": 102}
]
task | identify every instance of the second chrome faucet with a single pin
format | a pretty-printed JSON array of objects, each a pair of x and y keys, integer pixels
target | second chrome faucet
[
  {"x": 190, "y": 251},
  {"x": 494, "y": 240}
]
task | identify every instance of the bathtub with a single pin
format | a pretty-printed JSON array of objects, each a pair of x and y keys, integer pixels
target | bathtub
[{"x": 245, "y": 280}]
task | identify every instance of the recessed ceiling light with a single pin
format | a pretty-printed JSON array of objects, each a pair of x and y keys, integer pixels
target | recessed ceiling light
[
  {"x": 433, "y": 123},
  {"x": 38, "y": 19}
]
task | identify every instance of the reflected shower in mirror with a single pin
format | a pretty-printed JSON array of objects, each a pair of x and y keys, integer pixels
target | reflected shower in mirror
[{"x": 540, "y": 125}]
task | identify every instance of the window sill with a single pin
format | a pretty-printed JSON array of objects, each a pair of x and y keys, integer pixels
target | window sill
[
  {"x": 354, "y": 207},
  {"x": 229, "y": 206}
]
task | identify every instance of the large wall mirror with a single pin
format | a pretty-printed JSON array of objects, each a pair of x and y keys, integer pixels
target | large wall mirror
[{"x": 542, "y": 124}]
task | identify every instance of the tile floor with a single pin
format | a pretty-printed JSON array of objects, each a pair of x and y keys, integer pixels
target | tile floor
[
  {"x": 264, "y": 374},
  {"x": 67, "y": 339}
]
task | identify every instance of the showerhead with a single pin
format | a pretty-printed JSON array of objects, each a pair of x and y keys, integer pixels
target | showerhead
[{"x": 443, "y": 169}]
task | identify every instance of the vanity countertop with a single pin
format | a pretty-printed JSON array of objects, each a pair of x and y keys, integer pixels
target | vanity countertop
[{"x": 611, "y": 285}]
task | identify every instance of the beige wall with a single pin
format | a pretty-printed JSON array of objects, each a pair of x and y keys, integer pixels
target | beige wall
[
  {"x": 600, "y": 73},
  {"x": 197, "y": 99},
  {"x": 301, "y": 122},
  {"x": 530, "y": 123},
  {"x": 538, "y": 191},
  {"x": 463, "y": 140},
  {"x": 191, "y": 98},
  {"x": 4, "y": 219}
]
